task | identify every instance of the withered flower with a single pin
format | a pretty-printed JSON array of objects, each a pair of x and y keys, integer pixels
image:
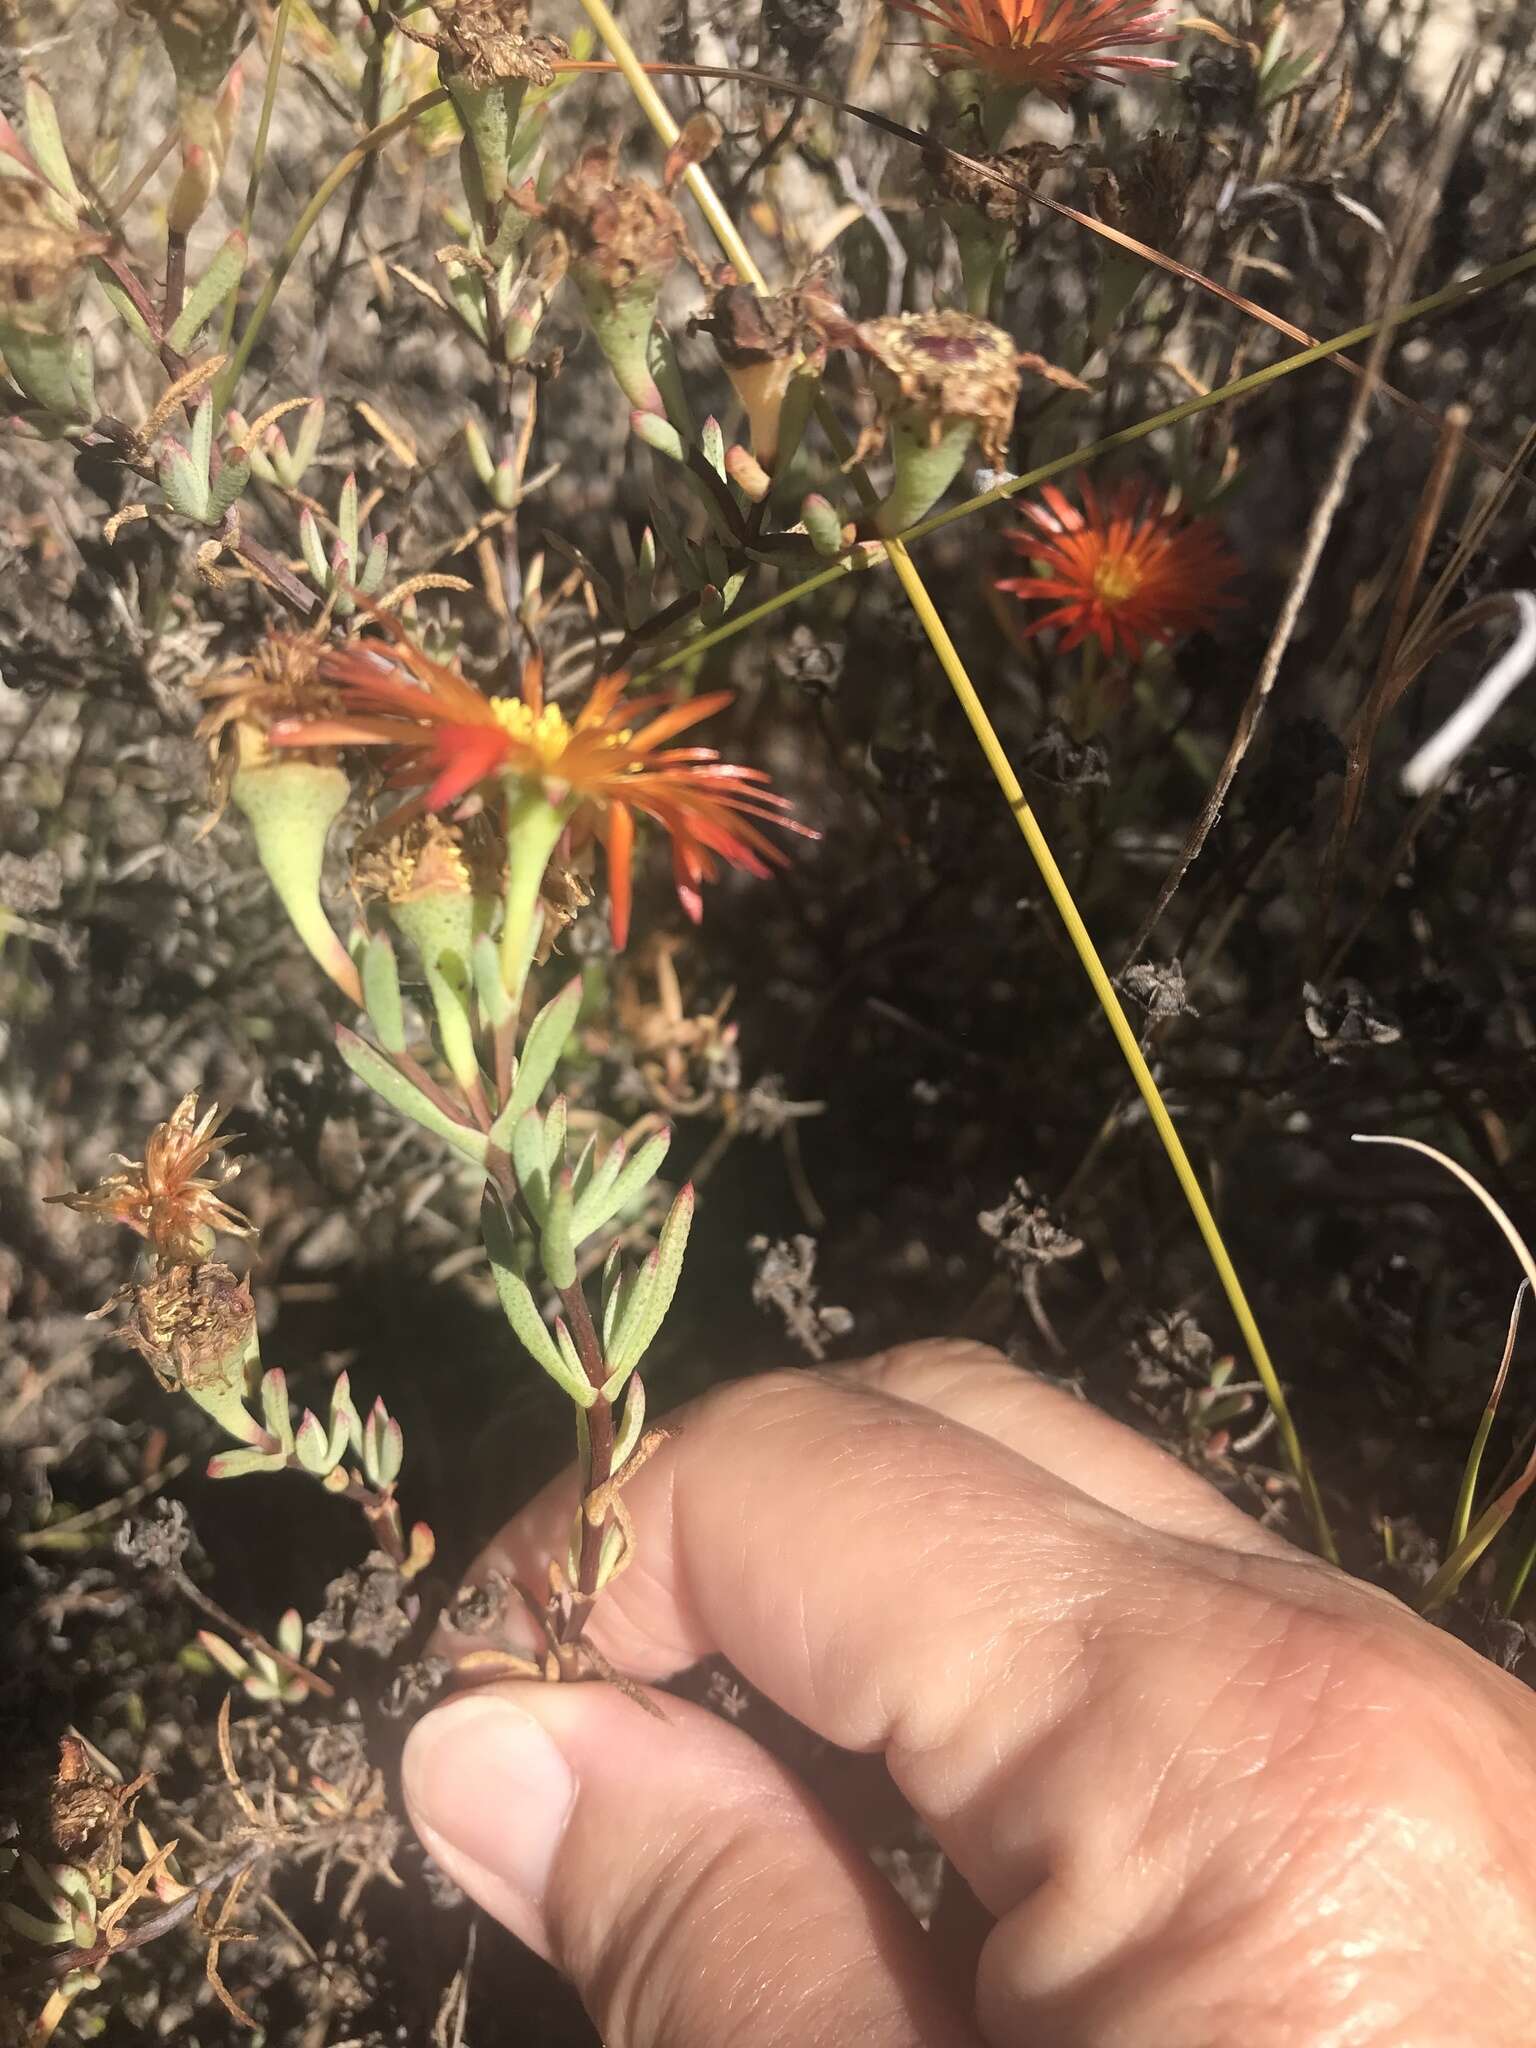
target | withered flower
[
  {"x": 88, "y": 1813},
  {"x": 622, "y": 232},
  {"x": 42, "y": 258},
  {"x": 196, "y": 1327},
  {"x": 983, "y": 195},
  {"x": 280, "y": 678},
  {"x": 940, "y": 370},
  {"x": 486, "y": 43},
  {"x": 166, "y": 1197},
  {"x": 1147, "y": 195},
  {"x": 200, "y": 38},
  {"x": 766, "y": 343},
  {"x": 290, "y": 801},
  {"x": 624, "y": 239},
  {"x": 939, "y": 380}
]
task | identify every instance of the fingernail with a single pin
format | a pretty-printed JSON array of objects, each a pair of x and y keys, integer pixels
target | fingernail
[{"x": 484, "y": 1782}]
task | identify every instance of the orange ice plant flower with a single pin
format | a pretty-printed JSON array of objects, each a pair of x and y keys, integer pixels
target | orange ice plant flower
[
  {"x": 1051, "y": 46},
  {"x": 1124, "y": 573},
  {"x": 602, "y": 766}
]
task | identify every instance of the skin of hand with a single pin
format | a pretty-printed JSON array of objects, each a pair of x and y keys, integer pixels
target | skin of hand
[{"x": 1209, "y": 1790}]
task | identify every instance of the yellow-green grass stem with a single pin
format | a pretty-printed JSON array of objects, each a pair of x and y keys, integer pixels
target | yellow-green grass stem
[
  {"x": 981, "y": 725},
  {"x": 1078, "y": 458},
  {"x": 299, "y": 234},
  {"x": 259, "y": 148}
]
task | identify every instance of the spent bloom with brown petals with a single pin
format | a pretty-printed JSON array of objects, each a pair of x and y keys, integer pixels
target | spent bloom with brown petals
[
  {"x": 602, "y": 767},
  {"x": 166, "y": 1197},
  {"x": 1055, "y": 47},
  {"x": 279, "y": 679},
  {"x": 1124, "y": 573}
]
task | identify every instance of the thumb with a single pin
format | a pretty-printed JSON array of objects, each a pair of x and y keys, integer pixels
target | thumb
[{"x": 687, "y": 1883}]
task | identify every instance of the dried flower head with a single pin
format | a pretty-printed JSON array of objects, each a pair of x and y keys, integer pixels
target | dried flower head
[
  {"x": 486, "y": 42},
  {"x": 196, "y": 1327},
  {"x": 430, "y": 857},
  {"x": 602, "y": 766},
  {"x": 42, "y": 257},
  {"x": 764, "y": 341},
  {"x": 1146, "y": 196},
  {"x": 622, "y": 232},
  {"x": 1055, "y": 47},
  {"x": 995, "y": 185},
  {"x": 1126, "y": 573},
  {"x": 88, "y": 1812},
  {"x": 166, "y": 1197},
  {"x": 279, "y": 679},
  {"x": 939, "y": 370}
]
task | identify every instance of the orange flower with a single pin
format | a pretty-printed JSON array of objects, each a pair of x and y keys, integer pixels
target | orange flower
[
  {"x": 165, "y": 1197},
  {"x": 1124, "y": 574},
  {"x": 1050, "y": 46},
  {"x": 605, "y": 764}
]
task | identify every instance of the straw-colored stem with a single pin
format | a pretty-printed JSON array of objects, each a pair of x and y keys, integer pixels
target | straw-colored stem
[
  {"x": 1061, "y": 896},
  {"x": 259, "y": 148}
]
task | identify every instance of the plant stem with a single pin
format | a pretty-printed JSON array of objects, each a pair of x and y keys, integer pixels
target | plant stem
[
  {"x": 259, "y": 150},
  {"x": 600, "y": 1436},
  {"x": 175, "y": 277},
  {"x": 299, "y": 234},
  {"x": 1002, "y": 770}
]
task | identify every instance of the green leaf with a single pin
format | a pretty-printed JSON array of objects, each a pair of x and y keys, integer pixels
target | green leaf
[
  {"x": 557, "y": 1246},
  {"x": 632, "y": 1423},
  {"x": 200, "y": 447},
  {"x": 312, "y": 1446},
  {"x": 126, "y": 310},
  {"x": 239, "y": 1464},
  {"x": 185, "y": 490},
  {"x": 375, "y": 1072},
  {"x": 528, "y": 1326},
  {"x": 381, "y": 992},
  {"x": 274, "y": 1407},
  {"x": 554, "y": 1136},
  {"x": 528, "y": 1162},
  {"x": 313, "y": 549},
  {"x": 228, "y": 485},
  {"x": 225, "y": 1655},
  {"x": 547, "y": 1038},
  {"x": 346, "y": 522},
  {"x": 46, "y": 143},
  {"x": 495, "y": 1006},
  {"x": 617, "y": 1182},
  {"x": 222, "y": 277},
  {"x": 643, "y": 1317}
]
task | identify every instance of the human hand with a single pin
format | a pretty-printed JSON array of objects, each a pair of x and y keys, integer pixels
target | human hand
[{"x": 1212, "y": 1791}]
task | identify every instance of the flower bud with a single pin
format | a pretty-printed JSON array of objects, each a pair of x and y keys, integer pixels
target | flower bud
[{"x": 200, "y": 39}]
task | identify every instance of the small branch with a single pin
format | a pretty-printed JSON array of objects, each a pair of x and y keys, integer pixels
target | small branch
[
  {"x": 166, "y": 1921},
  {"x": 175, "y": 276},
  {"x": 248, "y": 1636}
]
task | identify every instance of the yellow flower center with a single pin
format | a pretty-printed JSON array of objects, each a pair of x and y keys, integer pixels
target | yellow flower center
[
  {"x": 545, "y": 733},
  {"x": 1116, "y": 578}
]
